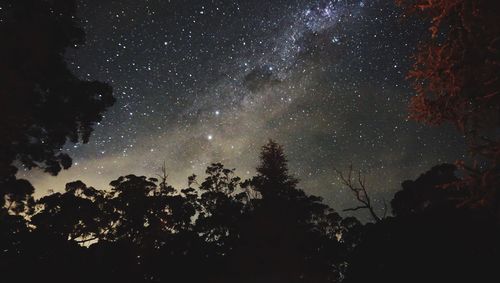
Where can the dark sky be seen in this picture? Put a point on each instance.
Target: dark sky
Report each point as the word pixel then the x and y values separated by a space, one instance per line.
pixel 209 81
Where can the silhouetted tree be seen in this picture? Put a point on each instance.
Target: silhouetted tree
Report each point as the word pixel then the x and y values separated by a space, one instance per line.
pixel 151 231
pixel 133 211
pixel 75 215
pixel 429 240
pixel 18 197
pixel 357 185
pixel 456 76
pixel 272 179
pixel 221 207
pixel 289 236
pixel 437 189
pixel 49 251
pixel 143 230
pixel 42 104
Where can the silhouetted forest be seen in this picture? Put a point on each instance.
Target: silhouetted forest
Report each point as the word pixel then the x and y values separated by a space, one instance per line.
pixel 444 225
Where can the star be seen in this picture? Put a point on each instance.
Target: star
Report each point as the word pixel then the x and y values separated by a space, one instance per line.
pixel 324 78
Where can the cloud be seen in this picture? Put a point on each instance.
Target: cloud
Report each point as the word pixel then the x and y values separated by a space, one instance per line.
pixel 260 78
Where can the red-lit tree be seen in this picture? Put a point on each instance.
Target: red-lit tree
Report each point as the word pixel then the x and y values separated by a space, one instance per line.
pixel 456 77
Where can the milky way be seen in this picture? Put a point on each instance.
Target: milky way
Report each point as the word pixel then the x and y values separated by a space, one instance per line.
pixel 211 81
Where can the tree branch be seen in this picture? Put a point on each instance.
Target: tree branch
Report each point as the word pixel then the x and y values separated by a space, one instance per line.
pixel 358 188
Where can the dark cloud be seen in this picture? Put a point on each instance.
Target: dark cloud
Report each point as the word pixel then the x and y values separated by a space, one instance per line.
pixel 260 78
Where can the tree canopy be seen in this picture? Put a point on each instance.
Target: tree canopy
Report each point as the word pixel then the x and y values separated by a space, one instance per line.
pixel 43 104
pixel 221 228
pixel 455 75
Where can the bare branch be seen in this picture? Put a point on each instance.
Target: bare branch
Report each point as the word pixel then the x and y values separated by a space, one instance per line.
pixel 86 240
pixel 385 208
pixel 355 208
pixel 358 188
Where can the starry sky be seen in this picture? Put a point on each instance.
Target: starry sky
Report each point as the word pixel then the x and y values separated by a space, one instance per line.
pixel 211 81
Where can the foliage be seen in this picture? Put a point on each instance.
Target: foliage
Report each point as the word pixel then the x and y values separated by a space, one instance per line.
pixel 429 239
pixel 42 104
pixel 455 75
pixel 144 230
pixel 264 229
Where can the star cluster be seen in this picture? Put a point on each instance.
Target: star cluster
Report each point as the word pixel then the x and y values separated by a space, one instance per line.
pixel 211 81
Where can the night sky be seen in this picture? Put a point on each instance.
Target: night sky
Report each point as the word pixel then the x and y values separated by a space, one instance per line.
pixel 211 81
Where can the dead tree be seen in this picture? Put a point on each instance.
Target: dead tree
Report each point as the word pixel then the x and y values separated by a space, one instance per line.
pixel 357 185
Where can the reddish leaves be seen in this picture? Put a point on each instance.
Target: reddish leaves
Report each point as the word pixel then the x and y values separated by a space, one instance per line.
pixel 456 78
